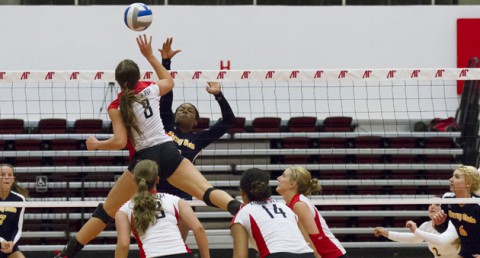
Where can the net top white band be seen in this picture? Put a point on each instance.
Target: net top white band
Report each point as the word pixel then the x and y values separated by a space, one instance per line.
pixel 392 74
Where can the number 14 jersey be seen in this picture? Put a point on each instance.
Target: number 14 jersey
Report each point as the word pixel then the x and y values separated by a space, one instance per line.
pixel 273 228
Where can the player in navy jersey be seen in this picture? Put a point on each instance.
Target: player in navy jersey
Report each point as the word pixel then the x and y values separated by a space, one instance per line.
pixel 464 183
pixel 153 218
pixel 179 125
pixel 271 226
pixel 295 184
pixel 11 218
pixel 136 120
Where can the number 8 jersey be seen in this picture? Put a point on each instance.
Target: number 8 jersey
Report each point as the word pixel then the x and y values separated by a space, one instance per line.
pixel 273 228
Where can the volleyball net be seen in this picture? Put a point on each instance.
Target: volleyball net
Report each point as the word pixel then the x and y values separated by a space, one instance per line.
pixel 354 129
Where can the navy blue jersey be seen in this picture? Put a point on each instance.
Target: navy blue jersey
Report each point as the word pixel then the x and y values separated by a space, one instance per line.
pixel 191 144
pixel 466 219
pixel 11 218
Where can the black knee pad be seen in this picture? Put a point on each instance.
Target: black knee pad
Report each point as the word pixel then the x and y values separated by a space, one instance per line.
pixel 101 214
pixel 206 197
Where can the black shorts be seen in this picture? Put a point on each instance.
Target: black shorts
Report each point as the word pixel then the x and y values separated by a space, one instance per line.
pixel 166 155
pixel 290 255
pixel 4 255
pixel 186 255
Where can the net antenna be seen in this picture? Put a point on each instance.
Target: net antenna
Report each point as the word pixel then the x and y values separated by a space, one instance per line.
pixel 108 91
pixel 467 118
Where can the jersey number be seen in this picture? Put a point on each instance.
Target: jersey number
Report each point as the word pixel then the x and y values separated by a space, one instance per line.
pixel 275 211
pixel 436 251
pixel 148 109
pixel 2 218
pixel 160 212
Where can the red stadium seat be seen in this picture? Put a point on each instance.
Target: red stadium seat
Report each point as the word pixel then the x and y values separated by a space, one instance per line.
pixel 368 142
pixel 266 124
pixel 52 125
pixel 330 143
pixel 33 144
pixel 338 124
pixel 64 144
pixel 238 127
pixel 302 124
pixel 11 126
pixel 403 142
pixel 88 126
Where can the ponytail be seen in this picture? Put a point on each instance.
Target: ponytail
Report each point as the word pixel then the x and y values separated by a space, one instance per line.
pixel 145 203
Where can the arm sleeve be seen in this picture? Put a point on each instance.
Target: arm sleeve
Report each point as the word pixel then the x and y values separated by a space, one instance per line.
pixel 18 234
pixel 443 227
pixel 206 137
pixel 404 237
pixel 445 238
pixel 166 101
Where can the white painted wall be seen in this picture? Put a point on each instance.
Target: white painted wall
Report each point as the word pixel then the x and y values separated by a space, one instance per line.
pixel 252 37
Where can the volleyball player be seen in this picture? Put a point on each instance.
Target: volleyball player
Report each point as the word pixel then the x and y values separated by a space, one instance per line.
pixel 153 217
pixel 271 225
pixel 464 183
pixel 294 185
pixel 136 119
pixel 442 245
pixel 11 218
pixel 179 125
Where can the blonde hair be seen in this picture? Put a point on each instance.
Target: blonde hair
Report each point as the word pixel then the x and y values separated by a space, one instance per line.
pixel 145 203
pixel 472 176
pixel 15 186
pixel 306 185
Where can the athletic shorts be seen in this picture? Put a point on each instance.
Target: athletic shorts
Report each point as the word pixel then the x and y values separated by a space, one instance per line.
pixel 4 255
pixel 166 155
pixel 185 255
pixel 290 255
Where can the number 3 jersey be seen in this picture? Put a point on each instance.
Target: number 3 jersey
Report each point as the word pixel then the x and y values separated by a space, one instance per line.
pixel 273 228
pixel 162 238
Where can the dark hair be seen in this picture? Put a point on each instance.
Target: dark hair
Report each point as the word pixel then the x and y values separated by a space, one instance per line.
pixel 255 184
pixel 197 114
pixel 127 75
pixel 15 186
pixel 145 203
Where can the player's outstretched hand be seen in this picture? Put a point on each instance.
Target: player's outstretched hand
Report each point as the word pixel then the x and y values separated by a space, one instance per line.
pixel 167 51
pixel 91 143
pixel 411 225
pixel 213 88
pixel 145 45
pixel 379 231
pixel 439 217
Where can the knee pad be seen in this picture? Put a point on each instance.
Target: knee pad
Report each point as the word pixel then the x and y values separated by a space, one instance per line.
pixel 101 214
pixel 206 197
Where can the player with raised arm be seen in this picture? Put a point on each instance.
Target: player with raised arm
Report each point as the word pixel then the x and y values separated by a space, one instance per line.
pixel 136 119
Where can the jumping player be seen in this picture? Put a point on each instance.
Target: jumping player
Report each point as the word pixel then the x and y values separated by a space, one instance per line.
pixel 136 119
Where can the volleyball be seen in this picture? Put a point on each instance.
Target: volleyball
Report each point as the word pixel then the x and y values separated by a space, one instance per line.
pixel 138 17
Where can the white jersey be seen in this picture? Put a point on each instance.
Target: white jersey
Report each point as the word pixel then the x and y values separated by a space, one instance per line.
pixel 147 111
pixel 326 243
pixel 441 245
pixel 162 238
pixel 273 228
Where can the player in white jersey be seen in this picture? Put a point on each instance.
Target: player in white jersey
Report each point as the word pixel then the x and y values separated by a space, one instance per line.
pixel 153 218
pixel 445 245
pixel 136 122
pixel 270 226
pixel 294 185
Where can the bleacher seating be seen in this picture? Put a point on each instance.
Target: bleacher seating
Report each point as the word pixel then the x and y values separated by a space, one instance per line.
pixel 350 164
